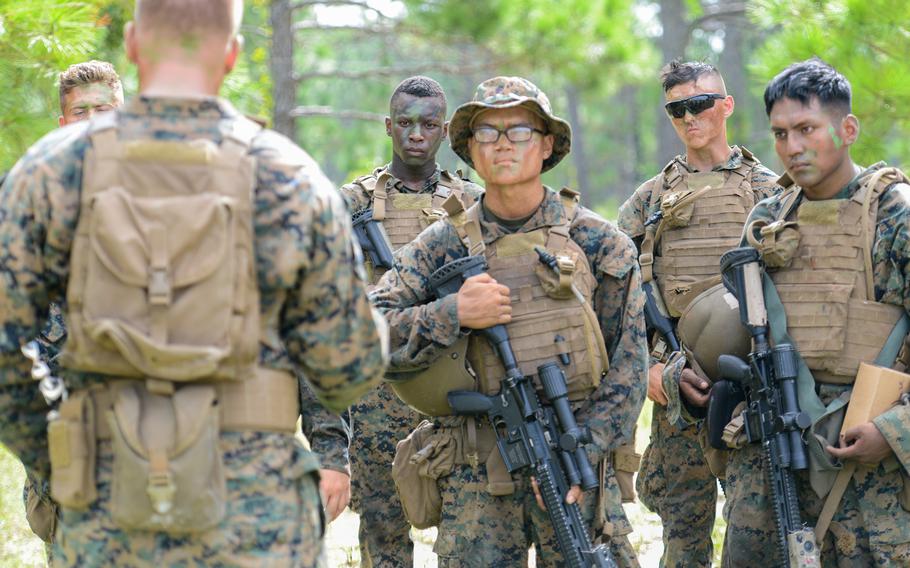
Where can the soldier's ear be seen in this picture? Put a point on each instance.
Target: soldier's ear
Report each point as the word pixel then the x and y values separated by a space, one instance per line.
pixel 388 126
pixel 445 130
pixel 129 41
pixel 548 141
pixel 233 51
pixel 850 128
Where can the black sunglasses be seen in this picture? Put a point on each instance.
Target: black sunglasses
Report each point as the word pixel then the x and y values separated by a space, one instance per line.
pixel 695 105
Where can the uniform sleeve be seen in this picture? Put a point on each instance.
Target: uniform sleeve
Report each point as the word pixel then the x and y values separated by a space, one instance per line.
pixel 613 408
pixel 355 198
pixel 634 212
pixel 34 241
pixel 305 244
pixel 328 434
pixel 764 183
pixel 419 327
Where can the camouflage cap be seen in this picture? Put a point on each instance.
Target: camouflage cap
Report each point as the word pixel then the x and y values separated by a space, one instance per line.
pixel 508 92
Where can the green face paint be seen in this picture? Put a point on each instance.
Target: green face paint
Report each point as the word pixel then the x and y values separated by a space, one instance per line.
pixel 838 142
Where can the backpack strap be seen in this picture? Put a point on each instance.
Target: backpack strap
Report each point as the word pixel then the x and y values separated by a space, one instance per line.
pixel 558 235
pixel 466 224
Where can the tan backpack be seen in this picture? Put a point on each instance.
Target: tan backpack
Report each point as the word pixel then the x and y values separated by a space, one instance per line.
pixel 162 282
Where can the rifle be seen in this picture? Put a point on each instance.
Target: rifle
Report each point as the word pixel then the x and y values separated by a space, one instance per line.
pixel 655 312
pixel 545 438
pixel 772 415
pixel 372 239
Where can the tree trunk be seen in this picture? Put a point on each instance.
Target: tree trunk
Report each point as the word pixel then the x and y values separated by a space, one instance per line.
pixel 579 147
pixel 281 63
pixel 672 43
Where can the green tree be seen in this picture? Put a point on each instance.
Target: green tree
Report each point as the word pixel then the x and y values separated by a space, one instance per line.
pixel 866 40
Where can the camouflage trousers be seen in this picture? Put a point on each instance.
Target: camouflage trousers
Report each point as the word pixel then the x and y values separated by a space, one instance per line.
pixel 871 528
pixel 379 421
pixel 675 482
pixel 273 518
pixel 479 530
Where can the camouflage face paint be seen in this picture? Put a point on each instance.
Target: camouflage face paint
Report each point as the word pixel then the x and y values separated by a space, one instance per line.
pixel 417 128
pixel 838 142
pixel 82 102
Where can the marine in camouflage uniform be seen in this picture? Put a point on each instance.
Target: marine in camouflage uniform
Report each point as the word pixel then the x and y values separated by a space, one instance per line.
pixel 307 270
pixel 809 106
pixel 478 528
pixel 675 479
pixel 85 89
pixel 411 189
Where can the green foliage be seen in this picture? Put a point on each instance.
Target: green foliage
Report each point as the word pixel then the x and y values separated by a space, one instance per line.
pixel 866 40
pixel 38 39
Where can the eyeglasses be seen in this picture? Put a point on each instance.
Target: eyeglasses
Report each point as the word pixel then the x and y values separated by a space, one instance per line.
pixel 695 105
pixel 518 133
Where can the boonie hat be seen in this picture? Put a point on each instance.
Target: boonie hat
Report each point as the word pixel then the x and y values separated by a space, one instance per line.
pixel 508 92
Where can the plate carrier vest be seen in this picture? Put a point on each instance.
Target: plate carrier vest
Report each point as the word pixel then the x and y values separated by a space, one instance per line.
pixel 827 289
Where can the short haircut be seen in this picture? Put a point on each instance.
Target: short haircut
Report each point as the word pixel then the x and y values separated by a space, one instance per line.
pixel 678 72
pixel 810 78
pixel 183 18
pixel 87 73
pixel 419 86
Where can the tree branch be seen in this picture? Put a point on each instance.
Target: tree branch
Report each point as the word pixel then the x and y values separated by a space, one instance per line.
pixel 717 13
pixel 445 68
pixel 325 111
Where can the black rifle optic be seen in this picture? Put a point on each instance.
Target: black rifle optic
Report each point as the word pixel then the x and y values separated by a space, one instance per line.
pixel 545 438
pixel 372 239
pixel 772 416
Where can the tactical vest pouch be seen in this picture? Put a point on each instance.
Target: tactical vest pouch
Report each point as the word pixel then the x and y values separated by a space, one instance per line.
pixel 168 474
pixel 420 459
pixel 558 286
pixel 677 209
pixel 72 447
pixel 778 243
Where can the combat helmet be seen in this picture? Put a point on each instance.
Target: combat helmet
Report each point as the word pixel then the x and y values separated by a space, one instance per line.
pixel 710 326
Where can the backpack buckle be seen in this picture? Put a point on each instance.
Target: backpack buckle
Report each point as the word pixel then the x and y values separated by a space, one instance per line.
pixel 159 287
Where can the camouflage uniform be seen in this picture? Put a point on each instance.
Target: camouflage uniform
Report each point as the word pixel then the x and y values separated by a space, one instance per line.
pixel 307 270
pixel 872 526
pixel 378 422
pixel 674 479
pixel 478 529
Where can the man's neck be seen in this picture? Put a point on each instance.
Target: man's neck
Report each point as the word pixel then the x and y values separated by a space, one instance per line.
pixel 707 158
pixel 178 81
pixel 834 183
pixel 413 177
pixel 514 201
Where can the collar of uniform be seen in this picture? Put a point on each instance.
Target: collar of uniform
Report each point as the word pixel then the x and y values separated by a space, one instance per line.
pixel 851 188
pixel 734 160
pixel 550 213
pixel 429 185
pixel 203 107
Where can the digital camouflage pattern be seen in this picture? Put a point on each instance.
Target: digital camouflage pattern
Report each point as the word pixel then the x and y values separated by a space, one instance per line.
pixel 871 527
pixel 379 421
pixel 479 530
pixel 308 272
pixel 421 328
pixel 507 92
pixel 274 515
pixel 674 479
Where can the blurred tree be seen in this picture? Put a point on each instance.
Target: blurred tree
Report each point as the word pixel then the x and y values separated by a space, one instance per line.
pixel 866 40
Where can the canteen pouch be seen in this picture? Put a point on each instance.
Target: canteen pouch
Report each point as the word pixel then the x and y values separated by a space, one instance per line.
pixel 168 473
pixel 420 459
pixel 72 447
pixel 724 398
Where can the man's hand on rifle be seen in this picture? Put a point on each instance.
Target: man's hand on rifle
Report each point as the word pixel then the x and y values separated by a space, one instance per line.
pixel 575 495
pixel 656 384
pixel 483 303
pixel 694 388
pixel 863 443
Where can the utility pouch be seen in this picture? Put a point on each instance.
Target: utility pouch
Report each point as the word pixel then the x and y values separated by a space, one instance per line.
pixel 168 473
pixel 72 447
pixel 724 398
pixel 420 459
pixel 558 286
pixel 626 462
pixel 677 209
pixel 778 243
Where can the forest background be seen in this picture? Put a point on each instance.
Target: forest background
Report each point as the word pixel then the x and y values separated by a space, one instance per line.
pixel 322 72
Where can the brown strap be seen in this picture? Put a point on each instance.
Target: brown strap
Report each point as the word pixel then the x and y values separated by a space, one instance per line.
pixel 833 501
pixel 380 195
pixel 470 451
